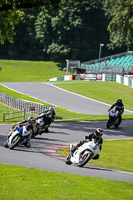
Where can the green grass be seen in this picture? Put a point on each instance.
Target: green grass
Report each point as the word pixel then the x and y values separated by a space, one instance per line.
pixel 29 71
pixel 61 113
pixel 24 184
pixel 107 92
pixel 71 116
pixel 116 154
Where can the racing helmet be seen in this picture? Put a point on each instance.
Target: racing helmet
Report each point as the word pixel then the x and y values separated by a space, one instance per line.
pixel 32 121
pixel 98 133
pixel 40 122
pixel 119 101
pixel 50 108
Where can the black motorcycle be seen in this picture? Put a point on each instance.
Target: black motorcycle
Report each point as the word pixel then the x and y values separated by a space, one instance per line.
pixel 114 119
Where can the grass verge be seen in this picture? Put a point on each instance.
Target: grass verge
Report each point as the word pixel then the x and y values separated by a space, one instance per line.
pixel 62 114
pixel 29 71
pixel 116 154
pixel 107 92
pixel 24 183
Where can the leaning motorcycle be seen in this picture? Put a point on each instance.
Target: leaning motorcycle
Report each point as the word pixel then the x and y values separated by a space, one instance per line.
pixel 39 128
pixel 43 122
pixel 17 137
pixel 114 119
pixel 83 154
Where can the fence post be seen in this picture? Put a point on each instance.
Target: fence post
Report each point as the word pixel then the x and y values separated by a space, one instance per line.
pixel 24 115
pixel 4 116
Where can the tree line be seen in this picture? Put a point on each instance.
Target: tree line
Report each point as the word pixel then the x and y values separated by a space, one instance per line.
pixel 58 30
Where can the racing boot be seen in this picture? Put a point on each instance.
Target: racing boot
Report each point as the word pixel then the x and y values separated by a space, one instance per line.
pixel 27 143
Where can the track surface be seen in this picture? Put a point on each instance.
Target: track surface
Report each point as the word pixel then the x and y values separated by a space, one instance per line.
pixel 42 155
pixel 61 98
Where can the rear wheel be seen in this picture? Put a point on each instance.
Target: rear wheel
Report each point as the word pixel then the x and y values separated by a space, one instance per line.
pixel 84 158
pixel 118 123
pixel 15 141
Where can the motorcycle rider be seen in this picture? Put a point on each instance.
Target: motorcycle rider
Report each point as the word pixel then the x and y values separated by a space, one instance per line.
pixel 29 125
pixel 22 123
pixel 94 135
pixel 48 116
pixel 119 106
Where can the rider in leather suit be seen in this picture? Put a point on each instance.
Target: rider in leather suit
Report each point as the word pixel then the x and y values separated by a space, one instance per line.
pixel 29 125
pixel 94 135
pixel 119 106
pixel 48 116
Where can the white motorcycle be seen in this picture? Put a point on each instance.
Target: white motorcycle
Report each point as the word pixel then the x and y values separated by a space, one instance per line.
pixel 17 138
pixel 114 119
pixel 83 154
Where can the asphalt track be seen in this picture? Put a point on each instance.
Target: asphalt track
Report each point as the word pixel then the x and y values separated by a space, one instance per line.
pixel 61 98
pixel 42 155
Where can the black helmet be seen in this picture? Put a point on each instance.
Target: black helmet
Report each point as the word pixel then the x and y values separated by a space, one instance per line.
pixel 119 101
pixel 98 133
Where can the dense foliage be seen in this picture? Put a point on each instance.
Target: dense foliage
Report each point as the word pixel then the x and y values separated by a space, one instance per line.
pixel 120 13
pixel 73 30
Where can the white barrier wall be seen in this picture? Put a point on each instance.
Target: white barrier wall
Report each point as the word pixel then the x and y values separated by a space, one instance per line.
pixel 103 77
pixel 126 80
pixel 118 78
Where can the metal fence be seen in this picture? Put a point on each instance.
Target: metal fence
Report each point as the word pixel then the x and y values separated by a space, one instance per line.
pixel 21 104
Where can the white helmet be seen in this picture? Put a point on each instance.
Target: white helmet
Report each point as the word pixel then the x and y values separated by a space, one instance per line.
pixel 40 122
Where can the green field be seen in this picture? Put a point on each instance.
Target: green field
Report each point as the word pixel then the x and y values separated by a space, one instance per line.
pixel 113 155
pixel 90 89
pixel 107 92
pixel 19 183
pixel 29 71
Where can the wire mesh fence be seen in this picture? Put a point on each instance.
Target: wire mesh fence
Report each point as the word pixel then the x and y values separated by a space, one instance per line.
pixel 20 104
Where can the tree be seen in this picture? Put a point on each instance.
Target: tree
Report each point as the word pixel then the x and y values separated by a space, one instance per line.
pixel 120 14
pixel 12 10
pixel 75 32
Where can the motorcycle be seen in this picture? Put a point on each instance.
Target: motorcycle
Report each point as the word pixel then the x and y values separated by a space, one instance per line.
pixel 114 119
pixel 83 154
pixel 41 126
pixel 17 138
pixel 43 122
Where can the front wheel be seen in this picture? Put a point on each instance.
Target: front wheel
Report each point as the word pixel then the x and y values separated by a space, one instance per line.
pixel 14 142
pixel 109 123
pixel 67 160
pixel 85 157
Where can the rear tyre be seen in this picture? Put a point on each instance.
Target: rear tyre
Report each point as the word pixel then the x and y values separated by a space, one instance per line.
pixel 119 121
pixel 84 159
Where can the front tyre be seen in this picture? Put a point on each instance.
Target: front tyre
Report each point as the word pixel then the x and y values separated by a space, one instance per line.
pixel 15 141
pixel 85 157
pixel 67 160
pixel 109 123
